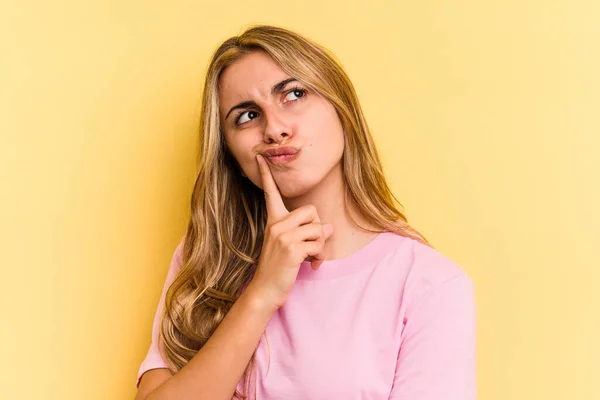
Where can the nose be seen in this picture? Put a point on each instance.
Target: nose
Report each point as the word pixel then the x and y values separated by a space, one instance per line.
pixel 276 128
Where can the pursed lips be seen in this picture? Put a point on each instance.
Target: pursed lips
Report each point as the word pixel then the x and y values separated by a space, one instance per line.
pixel 280 151
pixel 280 156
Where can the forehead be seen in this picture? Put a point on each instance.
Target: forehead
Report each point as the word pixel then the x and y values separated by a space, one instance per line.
pixel 251 76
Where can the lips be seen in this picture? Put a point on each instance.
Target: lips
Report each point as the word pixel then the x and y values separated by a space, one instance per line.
pixel 281 155
pixel 280 151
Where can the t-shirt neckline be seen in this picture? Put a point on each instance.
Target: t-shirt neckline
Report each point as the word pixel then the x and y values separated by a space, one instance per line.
pixel 367 255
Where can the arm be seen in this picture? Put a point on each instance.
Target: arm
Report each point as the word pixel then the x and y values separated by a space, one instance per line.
pixel 213 373
pixel 437 353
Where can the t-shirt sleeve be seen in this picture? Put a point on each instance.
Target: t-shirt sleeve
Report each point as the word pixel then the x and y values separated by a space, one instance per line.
pixel 154 358
pixel 437 352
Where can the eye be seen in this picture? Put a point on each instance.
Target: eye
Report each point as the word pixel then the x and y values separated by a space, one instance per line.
pixel 296 92
pixel 245 116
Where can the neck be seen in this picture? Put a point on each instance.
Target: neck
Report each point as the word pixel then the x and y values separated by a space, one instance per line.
pixel 328 197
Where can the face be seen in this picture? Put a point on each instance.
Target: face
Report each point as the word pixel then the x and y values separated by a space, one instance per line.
pixel 263 108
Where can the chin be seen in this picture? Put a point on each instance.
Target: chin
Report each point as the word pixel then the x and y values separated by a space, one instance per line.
pixel 292 188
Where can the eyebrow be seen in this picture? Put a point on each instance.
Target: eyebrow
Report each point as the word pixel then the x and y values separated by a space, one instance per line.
pixel 277 88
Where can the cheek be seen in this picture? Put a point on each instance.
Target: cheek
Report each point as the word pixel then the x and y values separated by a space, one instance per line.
pixel 326 137
pixel 245 155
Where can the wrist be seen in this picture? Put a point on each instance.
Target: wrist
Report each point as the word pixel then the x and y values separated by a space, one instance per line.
pixel 259 300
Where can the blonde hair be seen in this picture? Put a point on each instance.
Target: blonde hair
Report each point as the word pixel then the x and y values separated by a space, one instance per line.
pixel 228 214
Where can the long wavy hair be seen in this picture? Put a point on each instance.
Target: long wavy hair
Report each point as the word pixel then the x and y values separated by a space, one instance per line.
pixel 228 214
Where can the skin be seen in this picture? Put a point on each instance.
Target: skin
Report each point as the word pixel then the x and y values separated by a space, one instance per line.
pixel 291 118
pixel 281 119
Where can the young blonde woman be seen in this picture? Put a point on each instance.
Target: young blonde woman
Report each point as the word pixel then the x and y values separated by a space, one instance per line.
pixel 298 278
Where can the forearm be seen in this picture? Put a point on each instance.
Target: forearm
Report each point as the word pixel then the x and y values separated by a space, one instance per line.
pixel 214 372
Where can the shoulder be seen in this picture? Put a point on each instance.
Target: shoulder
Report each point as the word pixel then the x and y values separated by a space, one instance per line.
pixel 423 269
pixel 176 261
pixel 420 261
pixel 179 249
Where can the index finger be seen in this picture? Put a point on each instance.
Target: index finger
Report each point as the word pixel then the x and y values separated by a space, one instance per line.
pixel 275 206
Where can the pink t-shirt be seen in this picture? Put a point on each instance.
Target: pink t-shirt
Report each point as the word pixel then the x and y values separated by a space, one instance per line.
pixel 394 320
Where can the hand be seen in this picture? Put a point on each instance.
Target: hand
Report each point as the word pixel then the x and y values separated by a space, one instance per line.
pixel 289 239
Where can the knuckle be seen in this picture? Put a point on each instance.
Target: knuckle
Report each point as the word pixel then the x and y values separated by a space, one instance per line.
pixel 310 209
pixel 317 229
pixel 283 239
pixel 290 248
pixel 286 245
pixel 273 231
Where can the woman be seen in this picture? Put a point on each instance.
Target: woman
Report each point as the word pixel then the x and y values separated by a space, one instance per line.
pixel 298 278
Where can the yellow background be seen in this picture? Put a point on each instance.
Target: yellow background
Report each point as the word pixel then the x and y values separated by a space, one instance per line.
pixel 486 114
